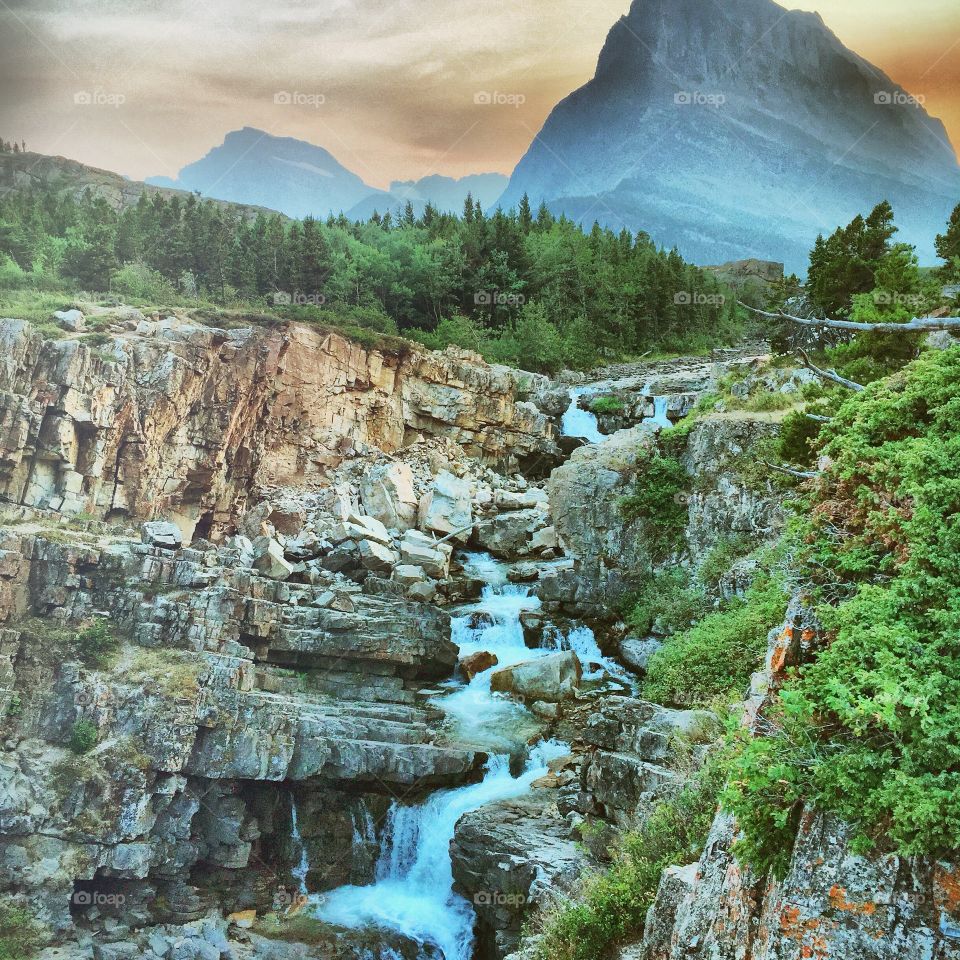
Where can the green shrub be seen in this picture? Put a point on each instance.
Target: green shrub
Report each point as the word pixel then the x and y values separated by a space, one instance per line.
pixel 768 401
pixel 97 643
pixel 603 405
pixel 20 935
pixel 611 907
pixel 870 729
pixel 665 598
pixel 721 557
pixel 658 499
pixel 795 443
pixel 137 281
pixel 717 655
pixel 83 737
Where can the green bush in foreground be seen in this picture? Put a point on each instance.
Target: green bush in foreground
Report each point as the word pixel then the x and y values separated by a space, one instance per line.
pixel 870 729
pixel 719 653
pixel 20 935
pixel 612 906
pixel 665 599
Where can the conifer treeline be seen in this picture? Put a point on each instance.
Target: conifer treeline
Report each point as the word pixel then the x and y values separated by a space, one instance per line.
pixel 599 293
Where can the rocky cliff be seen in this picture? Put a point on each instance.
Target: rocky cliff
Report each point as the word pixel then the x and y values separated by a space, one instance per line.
pixel 281 616
pixel 164 416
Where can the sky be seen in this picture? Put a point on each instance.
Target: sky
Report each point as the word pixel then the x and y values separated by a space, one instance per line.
pixel 394 90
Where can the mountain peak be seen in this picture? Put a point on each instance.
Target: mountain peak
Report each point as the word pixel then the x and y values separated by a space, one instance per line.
pixel 738 132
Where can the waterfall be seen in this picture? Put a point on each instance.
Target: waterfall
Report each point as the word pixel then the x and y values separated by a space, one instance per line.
pixel 491 625
pixel 413 892
pixel 364 831
pixel 302 868
pixel 659 418
pixel 580 423
pixel 582 641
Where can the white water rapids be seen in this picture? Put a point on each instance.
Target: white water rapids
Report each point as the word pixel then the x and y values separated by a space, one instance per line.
pixel 659 418
pixel 413 888
pixel 580 423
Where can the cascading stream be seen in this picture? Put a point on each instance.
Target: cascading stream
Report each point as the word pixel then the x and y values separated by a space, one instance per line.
pixel 412 892
pixel 659 418
pixel 577 422
pixel 302 867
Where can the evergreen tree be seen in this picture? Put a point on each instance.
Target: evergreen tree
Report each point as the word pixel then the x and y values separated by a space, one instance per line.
pixel 948 247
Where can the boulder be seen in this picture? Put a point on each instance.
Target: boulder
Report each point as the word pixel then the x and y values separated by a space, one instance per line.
pixel 476 663
pixel 408 574
pixel 424 592
pixel 552 678
pixel 70 320
pixel 162 533
pixel 287 517
pixel 419 550
pixel 375 556
pixel 545 539
pixel 446 507
pixel 523 573
pixel 358 527
pixel 508 500
pixel 388 495
pixel 269 560
pixel 636 653
pixel 510 534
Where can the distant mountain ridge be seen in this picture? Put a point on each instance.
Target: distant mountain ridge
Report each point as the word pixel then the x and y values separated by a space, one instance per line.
pixel 301 179
pixel 738 132
pixel 286 174
pixel 25 171
pixel 445 193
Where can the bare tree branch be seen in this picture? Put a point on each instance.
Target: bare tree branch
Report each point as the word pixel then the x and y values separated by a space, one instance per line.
pixel 802 474
pixel 830 375
pixel 917 325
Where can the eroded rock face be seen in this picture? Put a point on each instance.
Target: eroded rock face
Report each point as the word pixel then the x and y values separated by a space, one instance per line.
pixel 508 859
pixel 185 420
pixel 831 903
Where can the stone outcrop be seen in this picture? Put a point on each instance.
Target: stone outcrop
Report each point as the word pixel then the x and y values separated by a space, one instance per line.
pixel 183 420
pixel 551 678
pixel 587 492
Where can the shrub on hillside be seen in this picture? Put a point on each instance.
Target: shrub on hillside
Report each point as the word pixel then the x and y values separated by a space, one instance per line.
pixel 870 729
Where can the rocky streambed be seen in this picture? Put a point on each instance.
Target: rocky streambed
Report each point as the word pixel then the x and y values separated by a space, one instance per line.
pixel 308 650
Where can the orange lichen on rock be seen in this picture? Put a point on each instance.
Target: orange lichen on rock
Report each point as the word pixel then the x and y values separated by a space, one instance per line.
pixel 839 901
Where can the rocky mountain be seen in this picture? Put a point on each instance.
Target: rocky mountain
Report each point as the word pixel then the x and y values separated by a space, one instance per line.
pixel 445 193
pixel 290 175
pixel 301 179
pixel 738 131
